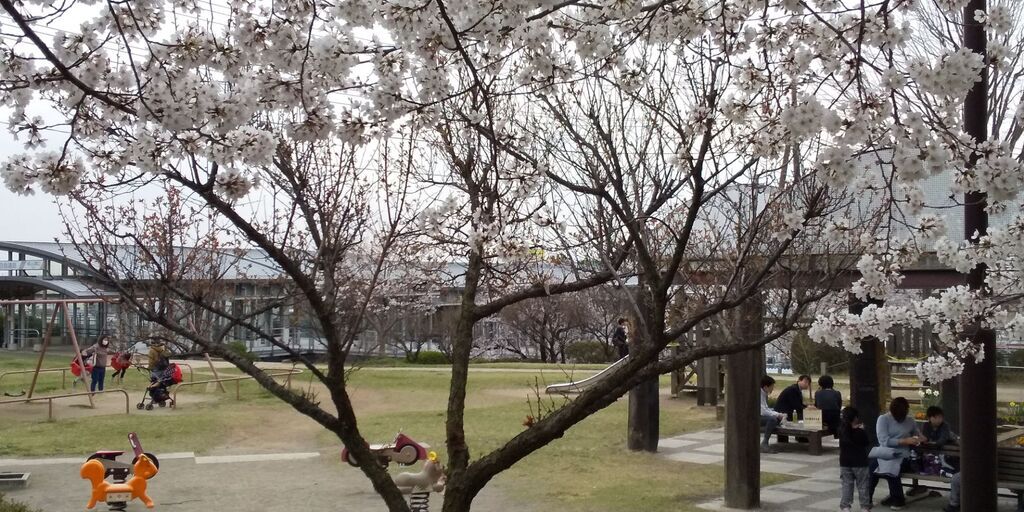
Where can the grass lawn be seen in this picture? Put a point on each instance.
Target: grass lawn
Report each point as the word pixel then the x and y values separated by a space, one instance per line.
pixel 587 470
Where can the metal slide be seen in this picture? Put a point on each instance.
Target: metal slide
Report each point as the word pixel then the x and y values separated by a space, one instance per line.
pixel 578 386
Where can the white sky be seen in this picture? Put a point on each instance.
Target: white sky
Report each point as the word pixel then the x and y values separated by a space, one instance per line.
pixel 25 218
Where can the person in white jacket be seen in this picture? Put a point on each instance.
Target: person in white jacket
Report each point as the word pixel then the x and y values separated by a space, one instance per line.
pixel 769 418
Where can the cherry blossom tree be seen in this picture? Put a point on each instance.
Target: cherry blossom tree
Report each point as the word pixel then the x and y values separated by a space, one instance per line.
pixel 743 153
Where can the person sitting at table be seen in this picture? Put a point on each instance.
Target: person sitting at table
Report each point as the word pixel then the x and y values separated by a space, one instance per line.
pixel 936 431
pixel 897 434
pixel 791 402
pixel 769 418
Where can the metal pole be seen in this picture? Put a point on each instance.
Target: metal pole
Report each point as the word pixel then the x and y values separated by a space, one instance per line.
pixel 977 415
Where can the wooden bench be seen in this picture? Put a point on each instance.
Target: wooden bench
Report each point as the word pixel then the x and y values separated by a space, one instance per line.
pixel 813 435
pixel 1009 472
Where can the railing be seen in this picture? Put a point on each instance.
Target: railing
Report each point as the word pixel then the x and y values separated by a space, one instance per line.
pixel 236 380
pixel 19 333
pixel 51 398
pixel 63 375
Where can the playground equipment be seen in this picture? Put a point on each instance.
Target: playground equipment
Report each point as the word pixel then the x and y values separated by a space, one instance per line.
pixel 104 464
pixel 419 485
pixel 402 450
pixel 119 494
pixel 580 385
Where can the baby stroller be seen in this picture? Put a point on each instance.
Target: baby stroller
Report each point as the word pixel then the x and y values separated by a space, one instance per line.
pixel 163 376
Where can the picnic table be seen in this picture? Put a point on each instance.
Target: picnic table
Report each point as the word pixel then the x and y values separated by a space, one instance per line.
pixel 812 432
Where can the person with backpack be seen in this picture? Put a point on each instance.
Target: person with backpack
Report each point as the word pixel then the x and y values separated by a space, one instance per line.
pixel 158 355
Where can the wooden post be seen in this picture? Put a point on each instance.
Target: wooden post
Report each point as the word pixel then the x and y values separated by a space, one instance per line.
pixel 865 392
pixel 978 381
pixel 742 421
pixel 78 351
pixel 676 378
pixel 949 390
pixel 214 370
pixel 42 353
pixel 707 381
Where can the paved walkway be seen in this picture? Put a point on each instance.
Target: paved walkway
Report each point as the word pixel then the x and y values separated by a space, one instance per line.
pixel 816 489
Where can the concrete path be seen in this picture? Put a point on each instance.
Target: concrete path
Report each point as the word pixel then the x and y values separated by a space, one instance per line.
pixel 815 490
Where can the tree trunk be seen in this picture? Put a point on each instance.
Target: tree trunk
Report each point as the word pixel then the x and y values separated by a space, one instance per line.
pixel 644 406
pixel 742 432
pixel 742 424
pixel 644 411
pixel 462 345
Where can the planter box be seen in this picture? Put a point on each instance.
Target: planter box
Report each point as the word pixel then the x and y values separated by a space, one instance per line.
pixel 10 481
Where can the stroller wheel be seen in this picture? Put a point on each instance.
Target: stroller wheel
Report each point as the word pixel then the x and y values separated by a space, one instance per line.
pixel 156 462
pixel 140 405
pixel 163 404
pixel 149 407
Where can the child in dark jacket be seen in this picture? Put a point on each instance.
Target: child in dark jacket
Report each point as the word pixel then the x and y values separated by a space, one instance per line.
pixel 938 434
pixel 854 446
pixel 830 403
pixel 936 430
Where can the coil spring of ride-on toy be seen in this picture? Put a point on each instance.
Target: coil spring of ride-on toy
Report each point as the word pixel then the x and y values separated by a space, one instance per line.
pixel 419 501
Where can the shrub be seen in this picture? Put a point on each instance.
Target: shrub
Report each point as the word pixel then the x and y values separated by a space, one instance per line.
pixel 587 352
pixel 430 357
pixel 806 356
pixel 1015 358
pixel 240 348
pixel 14 506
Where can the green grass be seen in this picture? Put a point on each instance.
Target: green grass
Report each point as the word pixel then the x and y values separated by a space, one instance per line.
pixel 7 505
pixel 81 436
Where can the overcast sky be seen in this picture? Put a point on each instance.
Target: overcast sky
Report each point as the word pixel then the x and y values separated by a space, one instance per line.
pixel 25 218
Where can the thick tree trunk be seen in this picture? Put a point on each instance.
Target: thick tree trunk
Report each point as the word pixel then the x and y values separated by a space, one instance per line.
pixel 742 426
pixel 742 423
pixel 644 405
pixel 644 411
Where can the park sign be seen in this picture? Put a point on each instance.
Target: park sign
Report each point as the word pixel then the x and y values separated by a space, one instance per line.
pixel 12 266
